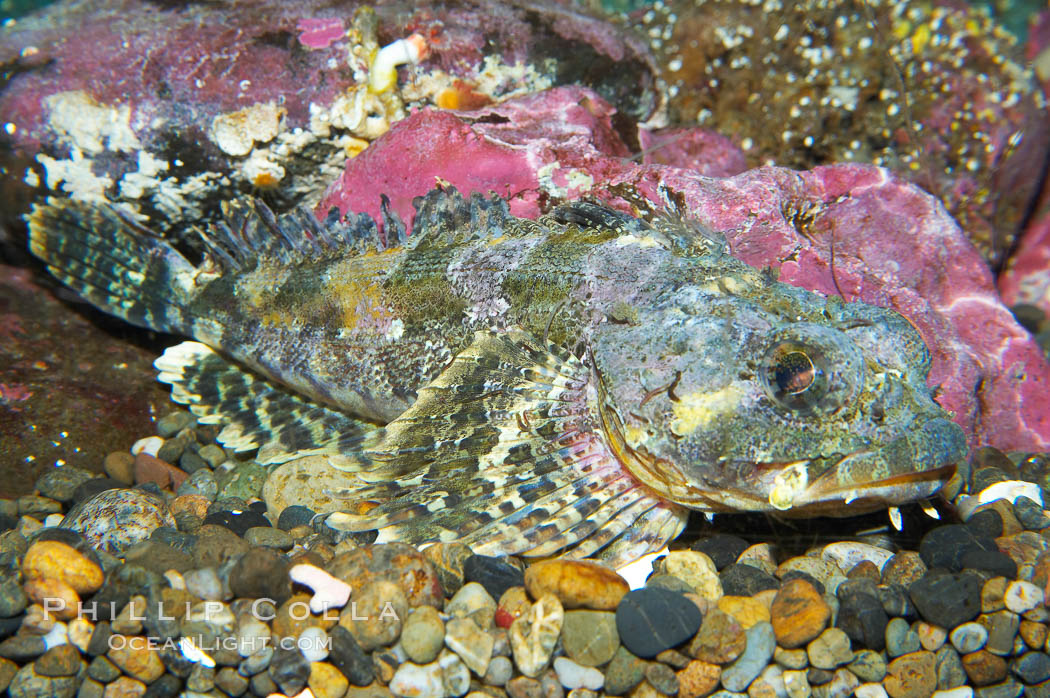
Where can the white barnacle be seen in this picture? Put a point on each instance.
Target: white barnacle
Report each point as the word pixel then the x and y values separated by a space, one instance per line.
pixel 788 484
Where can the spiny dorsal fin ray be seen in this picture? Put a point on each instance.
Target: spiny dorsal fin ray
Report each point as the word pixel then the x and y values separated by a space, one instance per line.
pixel 500 450
pixel 256 413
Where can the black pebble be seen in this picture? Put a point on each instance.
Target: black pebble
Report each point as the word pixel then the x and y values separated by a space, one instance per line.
pixel 1031 667
pixel 945 546
pixel 722 548
pixel 261 573
pixel 238 522
pixel 896 602
pixel 167 686
pixel 89 488
pixel 295 515
pixel 650 621
pixel 259 507
pixel 946 600
pixel 1030 514
pixel 493 573
pixel 175 539
pixel 348 657
pixel 987 522
pixel 997 563
pixel 8 626
pixel 863 618
pixel 746 580
pixel 7 522
pixel 289 669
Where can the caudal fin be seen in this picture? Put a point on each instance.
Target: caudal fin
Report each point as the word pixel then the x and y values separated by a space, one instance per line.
pixel 117 265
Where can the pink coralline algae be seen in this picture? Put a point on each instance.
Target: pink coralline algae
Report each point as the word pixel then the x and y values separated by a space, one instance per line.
pixel 320 33
pixel 852 229
pixel 1027 277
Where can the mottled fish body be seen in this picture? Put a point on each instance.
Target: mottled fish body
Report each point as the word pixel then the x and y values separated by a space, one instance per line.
pixel 571 384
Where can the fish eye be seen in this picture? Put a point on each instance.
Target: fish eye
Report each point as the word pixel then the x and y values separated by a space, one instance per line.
pixel 811 370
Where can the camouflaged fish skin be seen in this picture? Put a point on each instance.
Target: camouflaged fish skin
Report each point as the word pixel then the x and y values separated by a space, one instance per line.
pixel 525 386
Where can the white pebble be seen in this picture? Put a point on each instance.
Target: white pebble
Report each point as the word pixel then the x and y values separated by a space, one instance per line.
pixel 969 637
pixel 870 690
pixel 56 636
pixel 847 554
pixel 329 592
pixel 960 692
pixel 176 580
pixel 1008 489
pixel 573 676
pixel 414 681
pixel 204 583
pixel 1023 596
pixel 313 643
pixel 52 520
pixel 149 445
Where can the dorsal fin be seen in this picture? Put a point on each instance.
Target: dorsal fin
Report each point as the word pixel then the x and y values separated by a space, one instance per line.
pixel 445 217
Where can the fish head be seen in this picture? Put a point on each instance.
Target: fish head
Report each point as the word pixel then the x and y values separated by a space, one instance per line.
pixel 739 393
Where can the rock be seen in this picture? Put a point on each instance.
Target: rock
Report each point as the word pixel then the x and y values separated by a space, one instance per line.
pixel 448 560
pixel 326 681
pixel 760 555
pixel 1034 634
pixel 454 674
pixel 244 481
pixel 831 649
pixel 911 676
pixel 950 672
pixel 60 483
pixel 847 554
pixel 576 583
pixel 623 673
pixel 695 569
pixel 135 658
pixel 54 560
pixel 200 483
pixel 791 659
pixel 993 562
pixel 472 601
pixel 12 597
pixel 698 679
pixel 798 614
pixel 650 621
pixel 473 645
pixel 347 656
pixel 63 660
pixel 868 665
pixel 590 638
pixel 747 610
pixel 796 684
pixel 393 562
pixel 1002 629
pixel 984 668
pixel 413 681
pixel 493 573
pixel 1022 596
pixel 423 635
pixel 946 600
pixel 968 637
pixel 993 595
pixel 261 573
pixel 1030 667
pixel 746 580
pixel 573 676
pixel 761 642
pixel 232 683
pixel 819 569
pixel 120 465
pixel 499 672
pixel 904 568
pixel 900 638
pixel 295 515
pixel 931 637
pixel 149 468
pixel 375 613
pixel 720 640
pixel 524 687
pixel 945 546
pixel 114 520
pixel 533 637
pixel 289 669
pixel 723 549
pixel 238 521
pixel 313 643
pixel 268 537
pixel 662 678
pixel 863 618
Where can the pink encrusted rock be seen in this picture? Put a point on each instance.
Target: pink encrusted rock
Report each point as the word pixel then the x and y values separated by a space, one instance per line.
pixel 891 243
pixel 1027 275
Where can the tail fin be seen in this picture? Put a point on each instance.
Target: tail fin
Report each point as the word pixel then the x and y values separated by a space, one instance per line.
pixel 114 263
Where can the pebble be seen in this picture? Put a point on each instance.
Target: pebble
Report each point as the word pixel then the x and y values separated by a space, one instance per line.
pixel 830 649
pixel 423 634
pixel 722 548
pixel 415 681
pixel 624 672
pixel 900 638
pixel 697 679
pixel 863 617
pixel 573 676
pixel 115 520
pixel 931 637
pixel 944 546
pixel 577 583
pixel 868 665
pixel 947 600
pixel 347 656
pixel 135 658
pixel 968 637
pixel 63 660
pixel 1030 667
pixel 590 638
pixel 54 560
pixel 695 569
pixel 269 537
pixel 151 469
pixel 1022 596
pixel 200 483
pixel 984 668
pixel 472 601
pixel 720 640
pixel 904 568
pixel 650 621
pixel 472 644
pixel 761 641
pixel 289 669
pixel 911 676
pixel 493 573
pixel 1002 627
pixel 244 480
pixel 746 580
pixel 847 554
pixel 295 515
pixel 374 617
pixel 313 643
pixel 533 636
pixel 500 671
pixel 798 614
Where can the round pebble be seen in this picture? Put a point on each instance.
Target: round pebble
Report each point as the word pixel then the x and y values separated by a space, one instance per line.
pixel 968 637
pixel 115 520
pixel 650 621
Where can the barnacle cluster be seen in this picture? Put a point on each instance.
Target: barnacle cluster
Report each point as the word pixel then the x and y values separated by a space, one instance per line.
pixel 934 92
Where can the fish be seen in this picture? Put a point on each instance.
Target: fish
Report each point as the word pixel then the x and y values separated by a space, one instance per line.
pixel 572 385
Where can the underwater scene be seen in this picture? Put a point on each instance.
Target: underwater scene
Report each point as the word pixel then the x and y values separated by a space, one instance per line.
pixel 524 349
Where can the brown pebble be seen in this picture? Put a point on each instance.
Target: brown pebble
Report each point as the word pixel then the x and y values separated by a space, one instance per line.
pixel 903 568
pixel 152 469
pixel 120 465
pixel 912 675
pixel 51 559
pixel 984 668
pixel 62 660
pixel 577 583
pixel 135 658
pixel 865 569
pixel 748 610
pixel 698 679
pixel 125 687
pixel 196 504
pixel 524 687
pixel 62 599
pixel 799 613
pixel 1033 634
pixel 993 594
pixel 720 640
